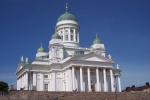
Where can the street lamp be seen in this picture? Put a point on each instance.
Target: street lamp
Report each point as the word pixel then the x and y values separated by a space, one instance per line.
pixel 117 73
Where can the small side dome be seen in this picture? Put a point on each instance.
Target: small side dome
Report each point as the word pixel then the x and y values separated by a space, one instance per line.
pixel 97 44
pixel 97 40
pixel 67 16
pixel 56 36
pixel 41 49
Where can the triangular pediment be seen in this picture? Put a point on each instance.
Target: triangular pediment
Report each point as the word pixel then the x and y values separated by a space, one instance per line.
pixel 95 59
pixel 92 57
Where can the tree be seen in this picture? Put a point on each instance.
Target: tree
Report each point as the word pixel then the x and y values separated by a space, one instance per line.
pixel 133 86
pixel 147 84
pixel 3 87
pixel 127 89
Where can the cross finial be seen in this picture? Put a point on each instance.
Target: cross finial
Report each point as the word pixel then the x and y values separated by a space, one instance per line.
pixel 41 45
pixel 66 10
pixel 96 35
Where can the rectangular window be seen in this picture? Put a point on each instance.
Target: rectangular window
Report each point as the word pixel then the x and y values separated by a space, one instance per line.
pixel 82 52
pixel 45 76
pixel 45 87
pixel 79 52
pixel 66 31
pixel 66 37
pixel 71 31
pixel 71 37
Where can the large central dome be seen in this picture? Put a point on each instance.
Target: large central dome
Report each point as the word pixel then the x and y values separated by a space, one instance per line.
pixel 67 16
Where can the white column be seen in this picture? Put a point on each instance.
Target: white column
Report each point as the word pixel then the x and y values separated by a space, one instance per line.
pixel 81 79
pixel 74 35
pixel 34 80
pixel 112 80
pixel 63 34
pixel 27 82
pixel 104 76
pixel 89 79
pixel 97 79
pixel 119 84
pixel 73 78
pixel 78 37
pixel 69 35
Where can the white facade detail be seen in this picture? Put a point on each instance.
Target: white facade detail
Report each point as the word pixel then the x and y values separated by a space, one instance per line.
pixel 68 67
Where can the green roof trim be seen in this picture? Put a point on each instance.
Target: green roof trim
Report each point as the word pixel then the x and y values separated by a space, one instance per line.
pixel 67 16
pixel 97 40
pixel 56 36
pixel 41 49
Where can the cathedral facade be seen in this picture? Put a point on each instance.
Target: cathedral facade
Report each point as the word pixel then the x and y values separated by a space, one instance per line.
pixel 67 66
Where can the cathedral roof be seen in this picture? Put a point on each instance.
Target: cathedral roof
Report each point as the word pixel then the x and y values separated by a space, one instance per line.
pixel 67 16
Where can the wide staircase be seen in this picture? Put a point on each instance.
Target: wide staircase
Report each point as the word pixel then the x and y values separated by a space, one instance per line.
pixel 34 95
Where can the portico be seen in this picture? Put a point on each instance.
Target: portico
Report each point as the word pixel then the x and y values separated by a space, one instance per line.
pixel 100 82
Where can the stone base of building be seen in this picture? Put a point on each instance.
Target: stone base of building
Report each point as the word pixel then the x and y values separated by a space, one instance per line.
pixel 34 95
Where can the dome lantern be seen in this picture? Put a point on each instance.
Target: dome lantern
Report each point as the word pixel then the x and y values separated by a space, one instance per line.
pixel 66 15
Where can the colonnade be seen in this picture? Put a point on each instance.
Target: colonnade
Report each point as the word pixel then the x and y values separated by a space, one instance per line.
pixel 97 75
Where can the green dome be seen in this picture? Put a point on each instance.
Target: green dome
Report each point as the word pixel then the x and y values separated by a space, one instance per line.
pixel 41 49
pixel 56 36
pixel 67 16
pixel 97 40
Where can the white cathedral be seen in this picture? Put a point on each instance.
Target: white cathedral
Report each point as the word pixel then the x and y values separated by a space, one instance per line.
pixel 67 66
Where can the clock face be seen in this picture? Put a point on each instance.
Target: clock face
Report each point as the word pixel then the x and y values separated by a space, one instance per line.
pixel 56 53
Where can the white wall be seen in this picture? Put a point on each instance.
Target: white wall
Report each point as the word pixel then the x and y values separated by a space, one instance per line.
pixel 40 81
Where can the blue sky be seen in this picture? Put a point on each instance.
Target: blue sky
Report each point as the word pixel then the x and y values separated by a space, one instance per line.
pixel 123 26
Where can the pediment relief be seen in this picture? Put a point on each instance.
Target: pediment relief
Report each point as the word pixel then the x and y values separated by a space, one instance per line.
pixel 92 57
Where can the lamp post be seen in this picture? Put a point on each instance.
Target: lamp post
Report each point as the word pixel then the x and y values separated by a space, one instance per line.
pixel 116 75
